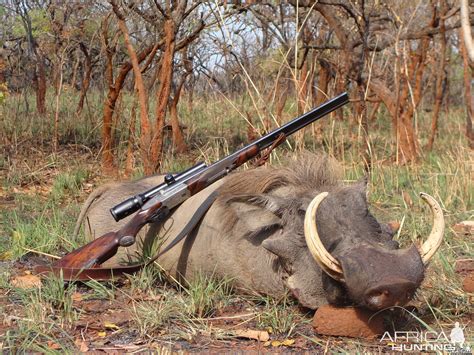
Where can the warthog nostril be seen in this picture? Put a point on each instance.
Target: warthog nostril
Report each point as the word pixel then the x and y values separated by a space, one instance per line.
pixel 378 299
pixel 389 294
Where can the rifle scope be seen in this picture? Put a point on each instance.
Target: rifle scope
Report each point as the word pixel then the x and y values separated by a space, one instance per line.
pixel 133 204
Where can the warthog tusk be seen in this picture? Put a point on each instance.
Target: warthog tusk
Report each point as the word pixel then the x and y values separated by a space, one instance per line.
pixel 325 260
pixel 432 244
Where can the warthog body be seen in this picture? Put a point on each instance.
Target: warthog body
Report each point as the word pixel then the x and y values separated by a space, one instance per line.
pixel 254 235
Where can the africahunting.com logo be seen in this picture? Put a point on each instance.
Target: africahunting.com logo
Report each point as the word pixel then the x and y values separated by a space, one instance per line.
pixel 429 341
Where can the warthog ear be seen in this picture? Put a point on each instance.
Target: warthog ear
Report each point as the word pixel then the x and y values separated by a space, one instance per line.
pixel 280 246
pixel 275 205
pixel 363 186
pixel 258 216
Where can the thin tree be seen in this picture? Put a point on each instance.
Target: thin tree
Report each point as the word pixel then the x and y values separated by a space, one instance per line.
pixel 468 99
pixel 115 86
pixel 440 74
pixel 141 92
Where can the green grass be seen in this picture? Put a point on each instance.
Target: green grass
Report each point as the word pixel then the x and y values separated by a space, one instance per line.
pixel 39 227
pixel 278 316
pixel 158 312
pixel 47 310
pixel 68 183
pixel 206 294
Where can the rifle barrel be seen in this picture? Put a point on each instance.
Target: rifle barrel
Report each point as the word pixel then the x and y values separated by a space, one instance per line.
pixel 303 120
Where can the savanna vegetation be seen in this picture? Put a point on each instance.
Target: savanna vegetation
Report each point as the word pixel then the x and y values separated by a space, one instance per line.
pixel 93 91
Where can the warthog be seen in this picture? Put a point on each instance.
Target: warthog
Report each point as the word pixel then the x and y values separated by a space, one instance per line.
pixel 274 230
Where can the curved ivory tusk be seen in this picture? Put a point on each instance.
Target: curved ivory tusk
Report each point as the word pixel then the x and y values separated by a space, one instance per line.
pixel 432 244
pixel 325 260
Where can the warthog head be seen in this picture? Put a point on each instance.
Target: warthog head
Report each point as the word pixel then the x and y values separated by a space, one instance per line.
pixel 362 261
pixel 323 223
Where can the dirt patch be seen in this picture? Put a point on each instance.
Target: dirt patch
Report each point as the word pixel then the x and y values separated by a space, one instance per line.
pixel 468 283
pixel 348 322
pixel 465 268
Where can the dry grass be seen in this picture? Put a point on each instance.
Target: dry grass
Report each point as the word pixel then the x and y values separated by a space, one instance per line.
pixel 41 194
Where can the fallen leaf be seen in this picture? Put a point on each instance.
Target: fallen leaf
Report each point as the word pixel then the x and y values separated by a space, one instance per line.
pixel 464 227
pixel 81 345
pixel 26 281
pixel 286 342
pixel 101 334
pixel 7 255
pixel 76 297
pixel 259 335
pixel 267 343
pixel 8 320
pixel 53 345
pixel 111 326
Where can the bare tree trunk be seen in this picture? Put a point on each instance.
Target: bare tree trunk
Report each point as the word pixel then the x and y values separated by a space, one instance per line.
pixel 373 112
pixel 312 75
pixel 440 76
pixel 188 66
pixel 281 94
pixel 109 107
pixel 407 139
pixel 466 30
pixel 361 110
pixel 468 96
pixel 74 71
pixel 302 88
pixel 320 95
pixel 163 93
pixel 115 88
pixel 178 138
pixel 86 78
pixel 131 140
pixel 41 84
pixel 145 138
pixel 58 96
pixel 323 83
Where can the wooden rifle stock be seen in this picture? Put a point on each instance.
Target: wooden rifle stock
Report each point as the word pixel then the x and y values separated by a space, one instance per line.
pixel 105 247
pixel 92 254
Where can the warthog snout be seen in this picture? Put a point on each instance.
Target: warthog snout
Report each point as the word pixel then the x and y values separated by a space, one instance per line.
pixel 395 292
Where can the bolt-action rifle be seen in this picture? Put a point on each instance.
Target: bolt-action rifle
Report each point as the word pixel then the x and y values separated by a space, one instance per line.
pixel 155 204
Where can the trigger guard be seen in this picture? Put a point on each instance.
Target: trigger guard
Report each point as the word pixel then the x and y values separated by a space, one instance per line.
pixel 160 215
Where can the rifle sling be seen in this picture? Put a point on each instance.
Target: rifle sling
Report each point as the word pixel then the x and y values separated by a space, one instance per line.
pixel 98 273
